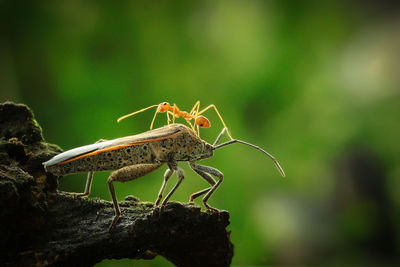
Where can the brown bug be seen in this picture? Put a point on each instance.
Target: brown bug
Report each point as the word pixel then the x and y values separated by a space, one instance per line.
pixel 135 156
pixel 195 113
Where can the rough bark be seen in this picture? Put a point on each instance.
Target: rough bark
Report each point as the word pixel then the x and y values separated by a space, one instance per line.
pixel 42 226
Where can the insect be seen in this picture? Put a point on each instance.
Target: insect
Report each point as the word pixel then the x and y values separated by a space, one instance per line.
pixel 195 114
pixel 134 156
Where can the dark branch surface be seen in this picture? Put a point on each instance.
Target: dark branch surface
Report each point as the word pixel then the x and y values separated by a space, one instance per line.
pixel 42 226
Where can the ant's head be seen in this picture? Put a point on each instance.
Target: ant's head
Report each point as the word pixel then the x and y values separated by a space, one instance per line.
pixel 202 121
pixel 163 107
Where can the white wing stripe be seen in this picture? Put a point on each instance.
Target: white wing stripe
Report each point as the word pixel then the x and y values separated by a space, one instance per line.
pixel 78 151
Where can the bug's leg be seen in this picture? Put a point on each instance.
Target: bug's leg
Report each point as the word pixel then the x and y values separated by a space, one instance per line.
pixel 88 180
pixel 206 177
pixel 125 174
pixel 180 174
pixel 219 137
pixel 211 171
pixel 219 115
pixel 167 175
pixel 197 194
pixel 115 202
pixel 87 187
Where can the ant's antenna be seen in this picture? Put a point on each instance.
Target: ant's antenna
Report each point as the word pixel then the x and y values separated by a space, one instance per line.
pixel 253 146
pixel 136 112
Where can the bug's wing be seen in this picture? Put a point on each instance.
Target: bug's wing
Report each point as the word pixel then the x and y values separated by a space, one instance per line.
pixel 152 135
pixel 149 136
pixel 69 154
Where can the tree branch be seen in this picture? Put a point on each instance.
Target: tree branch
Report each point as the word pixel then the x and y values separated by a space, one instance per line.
pixel 42 226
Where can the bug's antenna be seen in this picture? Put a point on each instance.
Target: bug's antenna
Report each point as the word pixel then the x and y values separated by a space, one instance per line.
pixel 136 112
pixel 253 146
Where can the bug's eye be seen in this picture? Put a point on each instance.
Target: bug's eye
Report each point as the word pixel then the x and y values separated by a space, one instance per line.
pixel 164 104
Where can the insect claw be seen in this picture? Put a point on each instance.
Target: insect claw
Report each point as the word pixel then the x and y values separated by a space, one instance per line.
pixel 161 208
pixel 210 209
pixel 113 223
pixel 192 203
pixel 78 195
pixel 157 211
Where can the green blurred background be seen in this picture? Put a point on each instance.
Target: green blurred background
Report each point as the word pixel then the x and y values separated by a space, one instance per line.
pixel 316 84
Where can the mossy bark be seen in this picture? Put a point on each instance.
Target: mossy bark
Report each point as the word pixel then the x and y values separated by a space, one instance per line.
pixel 42 226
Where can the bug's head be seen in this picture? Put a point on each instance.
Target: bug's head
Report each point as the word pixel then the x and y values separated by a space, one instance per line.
pixel 163 107
pixel 207 151
pixel 202 121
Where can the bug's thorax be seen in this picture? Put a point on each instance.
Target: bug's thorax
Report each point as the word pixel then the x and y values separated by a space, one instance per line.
pixel 183 147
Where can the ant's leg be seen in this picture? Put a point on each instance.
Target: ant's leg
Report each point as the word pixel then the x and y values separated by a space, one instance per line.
pixel 219 115
pixel 181 176
pixel 175 108
pixel 154 118
pixel 211 171
pixel 195 107
pixel 194 129
pixel 206 177
pixel 171 113
pixel 168 120
pixel 176 116
pixel 167 175
pixel 188 122
pixel 123 175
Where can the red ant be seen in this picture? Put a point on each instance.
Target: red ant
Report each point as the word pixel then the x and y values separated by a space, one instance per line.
pixel 199 120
